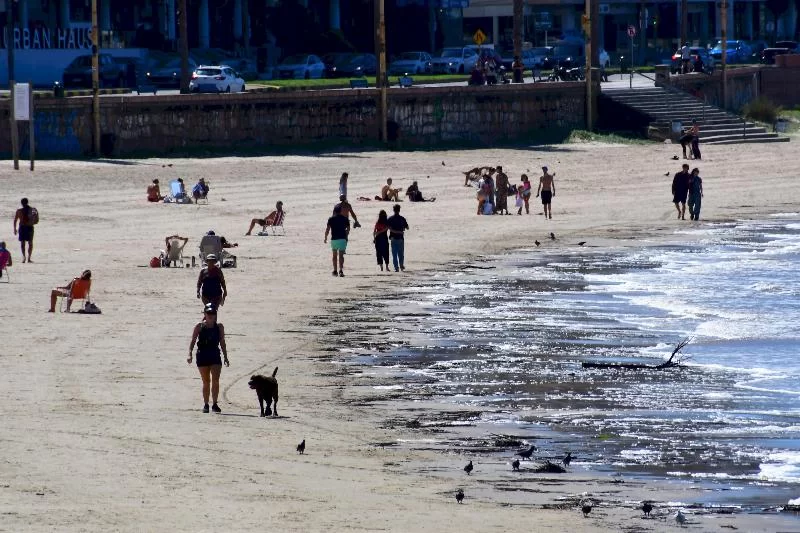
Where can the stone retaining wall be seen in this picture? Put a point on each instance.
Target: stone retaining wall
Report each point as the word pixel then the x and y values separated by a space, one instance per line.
pixel 419 117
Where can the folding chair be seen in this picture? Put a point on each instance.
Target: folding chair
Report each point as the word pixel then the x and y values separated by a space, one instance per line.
pixel 176 195
pixel 175 253
pixel 79 290
pixel 277 226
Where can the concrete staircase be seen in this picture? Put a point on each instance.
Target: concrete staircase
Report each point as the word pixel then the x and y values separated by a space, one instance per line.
pixel 662 106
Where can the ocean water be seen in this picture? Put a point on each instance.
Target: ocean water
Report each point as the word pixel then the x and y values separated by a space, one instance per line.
pixel 509 336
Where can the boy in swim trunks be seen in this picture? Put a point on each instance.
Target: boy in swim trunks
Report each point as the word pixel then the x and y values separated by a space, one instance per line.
pixel 338 228
pixel 547 189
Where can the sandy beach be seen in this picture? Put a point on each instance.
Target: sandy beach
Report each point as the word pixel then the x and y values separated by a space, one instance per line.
pixel 102 422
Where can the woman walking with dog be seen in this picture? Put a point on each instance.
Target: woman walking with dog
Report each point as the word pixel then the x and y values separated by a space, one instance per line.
pixel 209 335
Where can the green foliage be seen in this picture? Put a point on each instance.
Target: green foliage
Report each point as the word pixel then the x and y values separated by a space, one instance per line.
pixel 583 136
pixel 762 110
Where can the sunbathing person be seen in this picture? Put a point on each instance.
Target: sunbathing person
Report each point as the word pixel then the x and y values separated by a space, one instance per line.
pixel 388 194
pixel 415 195
pixel 200 190
pixel 174 249
pixel 273 219
pixel 154 192
pixel 80 285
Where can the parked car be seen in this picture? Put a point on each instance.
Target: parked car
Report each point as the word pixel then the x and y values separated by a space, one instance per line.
pixel 694 51
pixel 542 57
pixel 756 47
pixel 359 65
pixel 79 72
pixel 780 48
pixel 792 46
pixel 454 61
pixel 301 66
pixel 216 79
pixel 736 52
pixel 168 75
pixel 334 62
pixel 411 63
pixel 568 54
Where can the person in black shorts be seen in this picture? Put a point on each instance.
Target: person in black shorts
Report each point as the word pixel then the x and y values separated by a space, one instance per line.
pixel 211 286
pixel 24 217
pixel 210 338
pixel 547 189
pixel 680 189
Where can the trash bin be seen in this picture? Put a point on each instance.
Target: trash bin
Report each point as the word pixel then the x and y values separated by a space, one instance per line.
pixel 58 90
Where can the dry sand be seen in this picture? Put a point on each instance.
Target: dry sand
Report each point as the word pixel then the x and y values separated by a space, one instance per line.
pixel 102 429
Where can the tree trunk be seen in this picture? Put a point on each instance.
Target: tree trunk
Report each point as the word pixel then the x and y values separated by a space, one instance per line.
pixel 518 15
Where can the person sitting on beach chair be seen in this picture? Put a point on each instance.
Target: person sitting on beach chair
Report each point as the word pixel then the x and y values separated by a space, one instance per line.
pixel 388 194
pixel 77 289
pixel 200 191
pixel 177 190
pixel 174 250
pixel 214 244
pixel 274 219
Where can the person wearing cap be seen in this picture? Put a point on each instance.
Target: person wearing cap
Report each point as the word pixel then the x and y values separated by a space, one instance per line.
pixel 154 192
pixel 211 288
pixel 547 189
pixel 209 335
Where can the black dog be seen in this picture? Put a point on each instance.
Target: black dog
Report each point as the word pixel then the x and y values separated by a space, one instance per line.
pixel 267 389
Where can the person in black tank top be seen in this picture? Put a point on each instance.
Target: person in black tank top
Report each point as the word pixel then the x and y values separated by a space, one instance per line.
pixel 211 286
pixel 209 335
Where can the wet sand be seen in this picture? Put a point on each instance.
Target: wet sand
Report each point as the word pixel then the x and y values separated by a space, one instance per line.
pixel 102 422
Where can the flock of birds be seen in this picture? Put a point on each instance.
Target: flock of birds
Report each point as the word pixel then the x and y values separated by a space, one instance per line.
pixel 586 505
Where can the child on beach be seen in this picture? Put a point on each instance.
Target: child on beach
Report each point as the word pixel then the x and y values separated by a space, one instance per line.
pixel 524 191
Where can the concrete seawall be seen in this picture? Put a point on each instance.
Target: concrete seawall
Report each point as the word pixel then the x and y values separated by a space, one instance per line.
pixel 418 118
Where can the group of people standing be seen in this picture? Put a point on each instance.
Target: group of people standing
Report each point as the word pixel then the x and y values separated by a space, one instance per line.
pixel 494 189
pixel 689 184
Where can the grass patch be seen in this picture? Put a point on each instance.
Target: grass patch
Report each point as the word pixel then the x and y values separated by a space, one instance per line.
pixel 328 83
pixel 762 110
pixel 583 136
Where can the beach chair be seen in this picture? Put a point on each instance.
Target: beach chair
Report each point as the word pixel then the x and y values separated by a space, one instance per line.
pixel 277 226
pixel 175 253
pixel 212 244
pixel 79 290
pixel 176 196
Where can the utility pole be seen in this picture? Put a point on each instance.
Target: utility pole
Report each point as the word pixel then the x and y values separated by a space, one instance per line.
pixel 723 7
pixel 10 45
pixel 95 80
pixel 684 23
pixel 587 28
pixel 183 45
pixel 381 80
pixel 246 27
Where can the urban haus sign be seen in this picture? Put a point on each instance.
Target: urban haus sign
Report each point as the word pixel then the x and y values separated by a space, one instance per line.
pixel 45 39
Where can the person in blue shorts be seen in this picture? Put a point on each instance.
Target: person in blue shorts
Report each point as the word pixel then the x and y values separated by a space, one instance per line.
pixel 338 228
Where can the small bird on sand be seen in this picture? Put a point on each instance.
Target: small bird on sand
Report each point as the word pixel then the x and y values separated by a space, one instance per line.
pixel 567 459
pixel 460 496
pixel 537 243
pixel 443 164
pixel 674 157
pixel 586 508
pixel 301 448
pixel 526 454
pixel 515 465
pixel 667 174
pixel 581 243
pixel 647 507
pixel 680 519
pixel 468 468
pixel 552 236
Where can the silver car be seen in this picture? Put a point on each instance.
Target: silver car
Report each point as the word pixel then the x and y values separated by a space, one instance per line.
pixel 454 61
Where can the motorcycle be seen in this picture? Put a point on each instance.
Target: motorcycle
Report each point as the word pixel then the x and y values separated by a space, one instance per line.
pixel 562 73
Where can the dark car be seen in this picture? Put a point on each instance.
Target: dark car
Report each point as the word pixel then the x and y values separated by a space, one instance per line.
pixel 780 48
pixel 694 53
pixel 360 65
pixel 334 62
pixel 568 54
pixel 168 74
pixel 79 72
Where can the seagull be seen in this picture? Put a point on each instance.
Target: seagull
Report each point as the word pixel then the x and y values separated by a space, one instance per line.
pixel 460 496
pixel 680 518
pixel 468 468
pixel 537 243
pixel 552 236
pixel 646 508
pixel 567 459
pixel 301 448
pixel 515 465
pixel 581 243
pixel 586 507
pixel 526 454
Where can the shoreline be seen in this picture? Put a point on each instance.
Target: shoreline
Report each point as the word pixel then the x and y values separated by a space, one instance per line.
pixel 110 400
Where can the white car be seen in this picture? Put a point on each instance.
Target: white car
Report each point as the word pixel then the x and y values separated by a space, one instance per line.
pixel 411 63
pixel 454 61
pixel 215 79
pixel 300 66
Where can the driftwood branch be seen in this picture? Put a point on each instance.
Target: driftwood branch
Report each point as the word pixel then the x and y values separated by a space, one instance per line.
pixel 669 363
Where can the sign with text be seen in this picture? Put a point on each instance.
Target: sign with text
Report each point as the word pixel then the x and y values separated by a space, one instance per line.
pixel 45 39
pixel 479 37
pixel 22 101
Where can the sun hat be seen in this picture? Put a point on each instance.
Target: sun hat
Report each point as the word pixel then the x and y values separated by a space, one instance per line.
pixel 211 257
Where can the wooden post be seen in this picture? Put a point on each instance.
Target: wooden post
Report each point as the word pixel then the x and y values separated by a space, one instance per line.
pixel 95 80
pixel 587 27
pixel 10 45
pixel 723 7
pixel 183 45
pixel 31 136
pixel 381 79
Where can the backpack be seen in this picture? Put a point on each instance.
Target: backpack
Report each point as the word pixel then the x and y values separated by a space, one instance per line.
pixel 33 218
